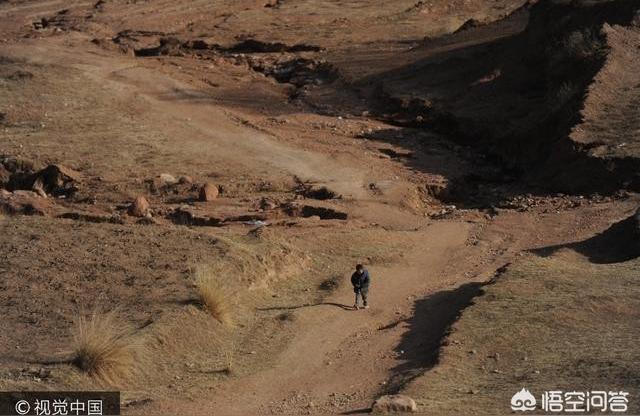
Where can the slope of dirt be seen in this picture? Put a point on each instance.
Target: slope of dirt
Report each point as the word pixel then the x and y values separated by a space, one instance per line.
pixel 532 89
pixel 557 322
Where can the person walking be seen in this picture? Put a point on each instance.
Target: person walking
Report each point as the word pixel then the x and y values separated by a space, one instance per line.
pixel 360 280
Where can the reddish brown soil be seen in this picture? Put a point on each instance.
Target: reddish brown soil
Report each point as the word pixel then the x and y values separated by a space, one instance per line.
pixel 279 108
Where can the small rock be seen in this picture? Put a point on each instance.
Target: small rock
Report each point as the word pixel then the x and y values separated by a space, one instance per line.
pixel 185 180
pixel 267 204
pixel 394 403
pixel 139 207
pixel 167 179
pixel 147 220
pixel 208 192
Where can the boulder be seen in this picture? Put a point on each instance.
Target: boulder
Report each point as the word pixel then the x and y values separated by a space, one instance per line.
pixel 394 403
pixel 56 180
pixel 208 192
pixel 140 207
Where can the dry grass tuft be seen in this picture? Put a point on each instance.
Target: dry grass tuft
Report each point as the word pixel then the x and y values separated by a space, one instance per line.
pixel 106 349
pixel 213 295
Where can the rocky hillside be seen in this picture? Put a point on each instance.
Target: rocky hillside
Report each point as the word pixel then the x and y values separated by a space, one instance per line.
pixel 536 90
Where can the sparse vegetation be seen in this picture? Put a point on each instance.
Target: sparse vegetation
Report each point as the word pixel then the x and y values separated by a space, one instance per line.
pixel 213 295
pixel 106 348
pixel 558 322
pixel 330 284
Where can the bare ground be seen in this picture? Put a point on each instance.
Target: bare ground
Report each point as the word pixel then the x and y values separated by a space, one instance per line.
pixel 78 91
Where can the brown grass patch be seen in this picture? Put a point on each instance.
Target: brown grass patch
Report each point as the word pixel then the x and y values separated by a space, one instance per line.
pixel 213 295
pixel 106 349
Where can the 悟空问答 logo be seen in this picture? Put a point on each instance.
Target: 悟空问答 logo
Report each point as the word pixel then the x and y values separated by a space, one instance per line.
pixel 523 401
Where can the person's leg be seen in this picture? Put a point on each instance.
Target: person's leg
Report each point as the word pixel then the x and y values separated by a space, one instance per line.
pixel 364 294
pixel 355 305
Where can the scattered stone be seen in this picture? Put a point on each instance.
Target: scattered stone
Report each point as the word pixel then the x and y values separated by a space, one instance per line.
pixel 167 179
pixel 394 403
pixel 185 216
pixel 185 180
pixel 438 188
pixel 140 207
pixel 15 165
pixel 148 220
pixel 208 192
pixel 267 204
pixel 57 180
pixel 319 192
pixel 5 175
pixel 44 373
pixel 307 211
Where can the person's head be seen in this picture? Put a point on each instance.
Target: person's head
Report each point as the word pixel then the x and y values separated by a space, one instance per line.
pixel 359 268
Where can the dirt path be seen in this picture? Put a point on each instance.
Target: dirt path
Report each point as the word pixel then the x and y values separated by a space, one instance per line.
pixel 204 130
pixel 339 352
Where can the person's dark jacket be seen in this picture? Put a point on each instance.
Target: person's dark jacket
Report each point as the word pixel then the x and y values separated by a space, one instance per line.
pixel 360 282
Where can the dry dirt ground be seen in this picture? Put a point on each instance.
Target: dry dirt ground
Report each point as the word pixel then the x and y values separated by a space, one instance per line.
pixel 277 103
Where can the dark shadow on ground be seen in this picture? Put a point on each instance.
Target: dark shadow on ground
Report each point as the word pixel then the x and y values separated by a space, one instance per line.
pixel 430 324
pixel 308 305
pixel 618 243
pixel 366 410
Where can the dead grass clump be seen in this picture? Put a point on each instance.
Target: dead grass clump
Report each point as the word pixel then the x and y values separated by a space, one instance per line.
pixel 213 295
pixel 106 349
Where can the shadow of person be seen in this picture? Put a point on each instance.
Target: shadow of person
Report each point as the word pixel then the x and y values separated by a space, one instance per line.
pixel 308 305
